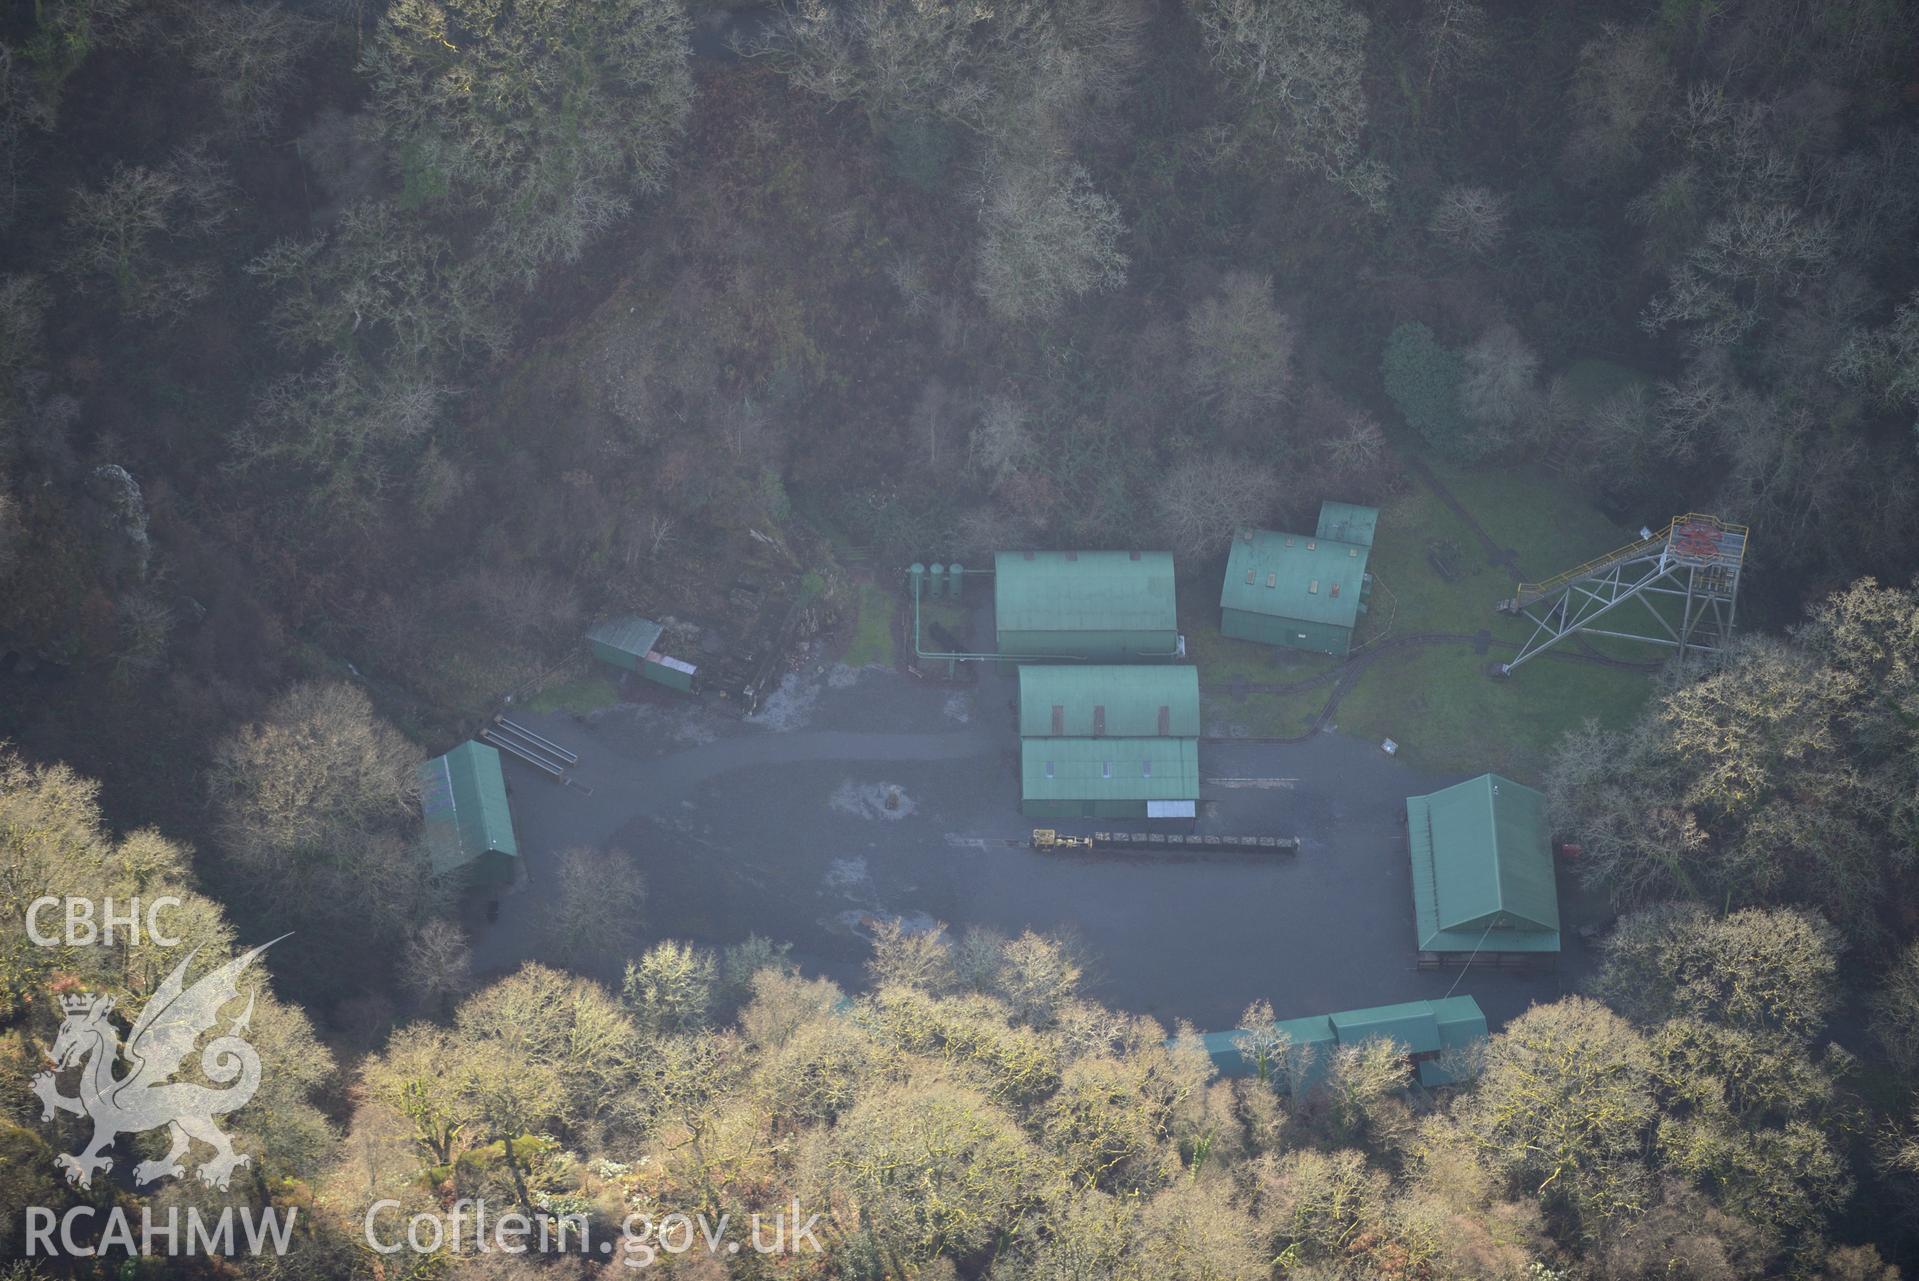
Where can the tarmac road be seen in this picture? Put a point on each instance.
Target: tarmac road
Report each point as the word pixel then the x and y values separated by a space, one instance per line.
pixel 778 825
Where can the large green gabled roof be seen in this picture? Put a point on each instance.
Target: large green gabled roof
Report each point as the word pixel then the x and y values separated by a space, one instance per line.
pixel 1111 700
pixel 463 804
pixel 1083 591
pixel 1302 576
pixel 1109 769
pixel 1482 868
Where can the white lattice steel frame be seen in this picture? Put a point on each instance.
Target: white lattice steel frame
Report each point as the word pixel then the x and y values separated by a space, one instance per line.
pixel 1691 568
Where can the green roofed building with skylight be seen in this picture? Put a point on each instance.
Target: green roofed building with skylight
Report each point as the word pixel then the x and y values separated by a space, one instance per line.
pixel 1304 591
pixel 1109 741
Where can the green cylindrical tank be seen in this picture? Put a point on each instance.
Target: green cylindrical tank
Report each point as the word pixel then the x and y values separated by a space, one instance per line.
pixel 915 577
pixel 956 578
pixel 936 579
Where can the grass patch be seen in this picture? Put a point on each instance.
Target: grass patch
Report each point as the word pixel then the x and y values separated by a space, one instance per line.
pixel 873 629
pixel 1421 599
pixel 956 620
pixel 580 695
pixel 1261 715
pixel 1436 699
pixel 1542 517
pixel 1593 379
pixel 1449 716
pixel 1224 662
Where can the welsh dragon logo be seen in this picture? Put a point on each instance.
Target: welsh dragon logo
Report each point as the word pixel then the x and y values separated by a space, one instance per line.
pixel 144 1099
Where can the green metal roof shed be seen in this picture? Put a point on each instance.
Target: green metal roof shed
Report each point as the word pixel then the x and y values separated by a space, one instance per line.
pixel 1108 701
pixel 1105 777
pixel 1482 869
pixel 1348 522
pixel 468 825
pixel 1460 1023
pixel 1410 1023
pixel 632 644
pixel 1425 1028
pixel 1093 606
pixel 1314 1034
pixel 1298 590
pixel 624 642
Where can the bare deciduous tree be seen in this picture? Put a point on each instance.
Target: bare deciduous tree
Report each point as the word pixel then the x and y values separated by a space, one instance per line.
pixel 1501 385
pixel 247 56
pixel 1025 74
pixel 1454 33
pixel 1300 66
pixel 1469 219
pixel 133 235
pixel 1240 350
pixel 1204 499
pixel 438 964
pixel 547 117
pixel 1001 443
pixel 1047 237
pixel 600 899
pixel 320 761
pixel 1618 95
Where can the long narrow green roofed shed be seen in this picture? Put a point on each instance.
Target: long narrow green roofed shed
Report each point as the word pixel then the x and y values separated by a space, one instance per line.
pixel 1089 606
pixel 1482 869
pixel 1148 701
pixel 1424 1029
pixel 468 824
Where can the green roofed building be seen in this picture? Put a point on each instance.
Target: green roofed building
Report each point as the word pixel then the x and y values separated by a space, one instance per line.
pixel 1304 591
pixel 632 645
pixel 1100 607
pixel 1426 1029
pixel 469 828
pixel 1109 741
pixel 1120 702
pixel 1482 863
pixel 1348 522
pixel 1109 777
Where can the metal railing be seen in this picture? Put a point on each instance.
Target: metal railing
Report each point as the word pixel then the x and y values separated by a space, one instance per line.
pixel 1641 547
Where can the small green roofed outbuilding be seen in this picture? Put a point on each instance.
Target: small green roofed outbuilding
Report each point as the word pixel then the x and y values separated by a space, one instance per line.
pixel 1348 522
pixel 1114 701
pixel 624 642
pixel 1425 1029
pixel 632 645
pixel 1086 606
pixel 468 824
pixel 1482 866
